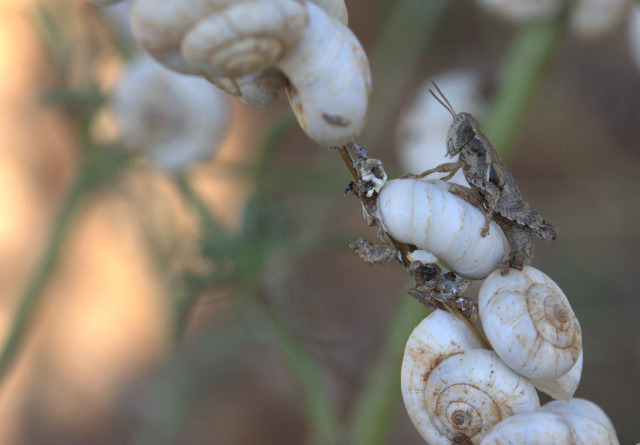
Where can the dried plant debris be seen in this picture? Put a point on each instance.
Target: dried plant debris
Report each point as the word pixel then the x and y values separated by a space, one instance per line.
pixel 433 288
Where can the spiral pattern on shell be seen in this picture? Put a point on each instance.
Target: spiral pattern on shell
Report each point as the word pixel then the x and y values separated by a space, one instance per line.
pixel 218 37
pixel 243 38
pixel 470 393
pixel 452 388
pixel 530 323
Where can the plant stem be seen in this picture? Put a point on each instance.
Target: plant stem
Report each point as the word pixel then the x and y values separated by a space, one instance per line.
pixel 524 66
pixel 395 56
pixel 319 406
pixel 522 74
pixel 378 401
pixel 35 286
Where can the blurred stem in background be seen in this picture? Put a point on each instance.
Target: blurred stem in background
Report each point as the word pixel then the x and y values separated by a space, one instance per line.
pixel 96 166
pixel 394 58
pixel 29 300
pixel 520 79
pixel 522 75
pixel 415 21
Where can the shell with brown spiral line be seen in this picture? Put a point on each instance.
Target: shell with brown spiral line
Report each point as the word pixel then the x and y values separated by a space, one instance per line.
pixel 454 390
pixel 530 323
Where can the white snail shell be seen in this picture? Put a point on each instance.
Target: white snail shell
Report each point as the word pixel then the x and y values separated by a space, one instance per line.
pixel 423 126
pixel 530 323
pixel 334 8
pixel 581 407
pixel 175 119
pixel 257 90
pixel 182 34
pixel 634 33
pixel 519 11
pixel 592 19
pixel 564 387
pixel 425 214
pixel 552 424
pixel 451 387
pixel 243 38
pixel 329 79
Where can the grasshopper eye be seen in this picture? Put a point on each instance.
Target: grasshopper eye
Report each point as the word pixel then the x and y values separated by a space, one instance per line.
pixel 466 132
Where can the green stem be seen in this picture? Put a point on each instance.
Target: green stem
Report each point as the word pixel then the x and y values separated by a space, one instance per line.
pixel 395 57
pixel 216 234
pixel 319 406
pixel 35 286
pixel 377 403
pixel 522 74
pixel 280 127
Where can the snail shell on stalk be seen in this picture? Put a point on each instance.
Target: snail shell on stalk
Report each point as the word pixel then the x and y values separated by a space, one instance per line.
pixel 217 37
pixel 175 119
pixel 244 37
pixel 581 407
pixel 329 79
pixel 571 424
pixel 451 388
pixel 564 387
pixel 335 9
pixel 427 215
pixel 530 323
pixel 257 90
pixel 592 19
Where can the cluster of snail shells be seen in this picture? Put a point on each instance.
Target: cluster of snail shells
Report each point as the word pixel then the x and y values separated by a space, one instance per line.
pixel 254 49
pixel 454 387
pixel 454 384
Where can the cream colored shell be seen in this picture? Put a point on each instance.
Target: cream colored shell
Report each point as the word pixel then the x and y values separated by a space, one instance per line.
pixel 330 80
pixel 530 323
pixel 182 34
pixel 244 38
pixel 522 10
pixel 425 214
pixel 423 126
pixel 581 407
pixel 633 33
pixel 335 9
pixel 175 119
pixel 550 427
pixel 564 387
pixel 593 18
pixel 257 90
pixel 451 387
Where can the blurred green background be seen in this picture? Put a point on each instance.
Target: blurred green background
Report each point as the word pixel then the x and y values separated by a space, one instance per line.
pixel 296 338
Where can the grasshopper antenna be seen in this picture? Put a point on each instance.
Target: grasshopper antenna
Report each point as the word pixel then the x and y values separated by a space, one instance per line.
pixel 444 103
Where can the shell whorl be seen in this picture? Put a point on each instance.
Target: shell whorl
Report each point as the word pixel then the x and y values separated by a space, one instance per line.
pixel 243 38
pixel 218 37
pixel 530 323
pixel 451 387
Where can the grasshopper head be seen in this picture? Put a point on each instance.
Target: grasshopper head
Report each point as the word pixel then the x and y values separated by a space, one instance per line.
pixel 461 131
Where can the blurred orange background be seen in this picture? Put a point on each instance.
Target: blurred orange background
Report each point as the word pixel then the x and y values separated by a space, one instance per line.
pixel 101 336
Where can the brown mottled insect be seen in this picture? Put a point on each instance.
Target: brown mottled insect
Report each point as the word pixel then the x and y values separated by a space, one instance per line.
pixel 491 180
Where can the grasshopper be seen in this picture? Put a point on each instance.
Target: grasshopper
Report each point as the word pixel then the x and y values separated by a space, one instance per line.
pixel 494 184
